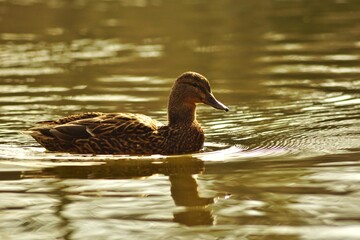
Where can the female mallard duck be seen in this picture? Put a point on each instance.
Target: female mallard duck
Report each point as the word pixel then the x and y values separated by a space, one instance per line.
pixel 127 133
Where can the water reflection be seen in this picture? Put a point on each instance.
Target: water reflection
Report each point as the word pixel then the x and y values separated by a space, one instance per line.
pixel 287 152
pixel 121 168
pixel 28 59
pixel 184 191
pixel 183 185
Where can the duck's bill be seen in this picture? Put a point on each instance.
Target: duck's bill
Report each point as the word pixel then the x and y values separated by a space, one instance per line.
pixel 212 101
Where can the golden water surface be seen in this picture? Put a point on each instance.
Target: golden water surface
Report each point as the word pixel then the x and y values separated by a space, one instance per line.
pixel 283 163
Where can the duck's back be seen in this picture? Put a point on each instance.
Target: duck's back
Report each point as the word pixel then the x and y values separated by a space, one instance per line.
pixel 100 133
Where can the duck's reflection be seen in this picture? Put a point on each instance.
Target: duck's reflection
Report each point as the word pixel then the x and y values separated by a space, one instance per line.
pixel 181 171
pixel 184 192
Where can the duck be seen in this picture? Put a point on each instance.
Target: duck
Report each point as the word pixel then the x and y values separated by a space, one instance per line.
pixel 133 133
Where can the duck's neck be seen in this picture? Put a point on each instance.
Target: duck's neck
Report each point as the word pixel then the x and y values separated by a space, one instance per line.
pixel 181 112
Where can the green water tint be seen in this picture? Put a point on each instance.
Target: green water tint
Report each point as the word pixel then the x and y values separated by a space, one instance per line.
pixel 283 163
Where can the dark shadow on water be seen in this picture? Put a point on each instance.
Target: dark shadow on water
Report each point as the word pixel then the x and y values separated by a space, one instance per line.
pixel 125 169
pixel 183 185
pixel 184 193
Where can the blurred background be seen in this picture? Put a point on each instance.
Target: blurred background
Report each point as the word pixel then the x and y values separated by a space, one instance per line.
pixel 283 163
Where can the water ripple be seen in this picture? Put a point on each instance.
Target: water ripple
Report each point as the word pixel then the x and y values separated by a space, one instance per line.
pixel 304 68
pixel 26 71
pixel 6 89
pixel 133 79
pixel 24 59
pixel 110 97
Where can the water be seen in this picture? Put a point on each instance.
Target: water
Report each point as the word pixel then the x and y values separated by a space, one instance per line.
pixel 282 164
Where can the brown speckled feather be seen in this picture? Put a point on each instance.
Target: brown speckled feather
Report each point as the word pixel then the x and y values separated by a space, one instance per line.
pixel 122 133
pixel 127 133
pixel 72 118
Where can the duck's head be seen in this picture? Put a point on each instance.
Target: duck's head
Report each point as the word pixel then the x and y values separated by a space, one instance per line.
pixel 193 88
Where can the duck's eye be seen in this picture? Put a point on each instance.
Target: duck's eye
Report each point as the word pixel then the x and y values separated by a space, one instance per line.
pixel 194 85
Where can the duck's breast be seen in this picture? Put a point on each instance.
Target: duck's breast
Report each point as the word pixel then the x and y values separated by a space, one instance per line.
pixel 182 139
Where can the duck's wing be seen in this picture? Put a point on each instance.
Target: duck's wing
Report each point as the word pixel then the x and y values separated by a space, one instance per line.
pixel 102 126
pixel 72 118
